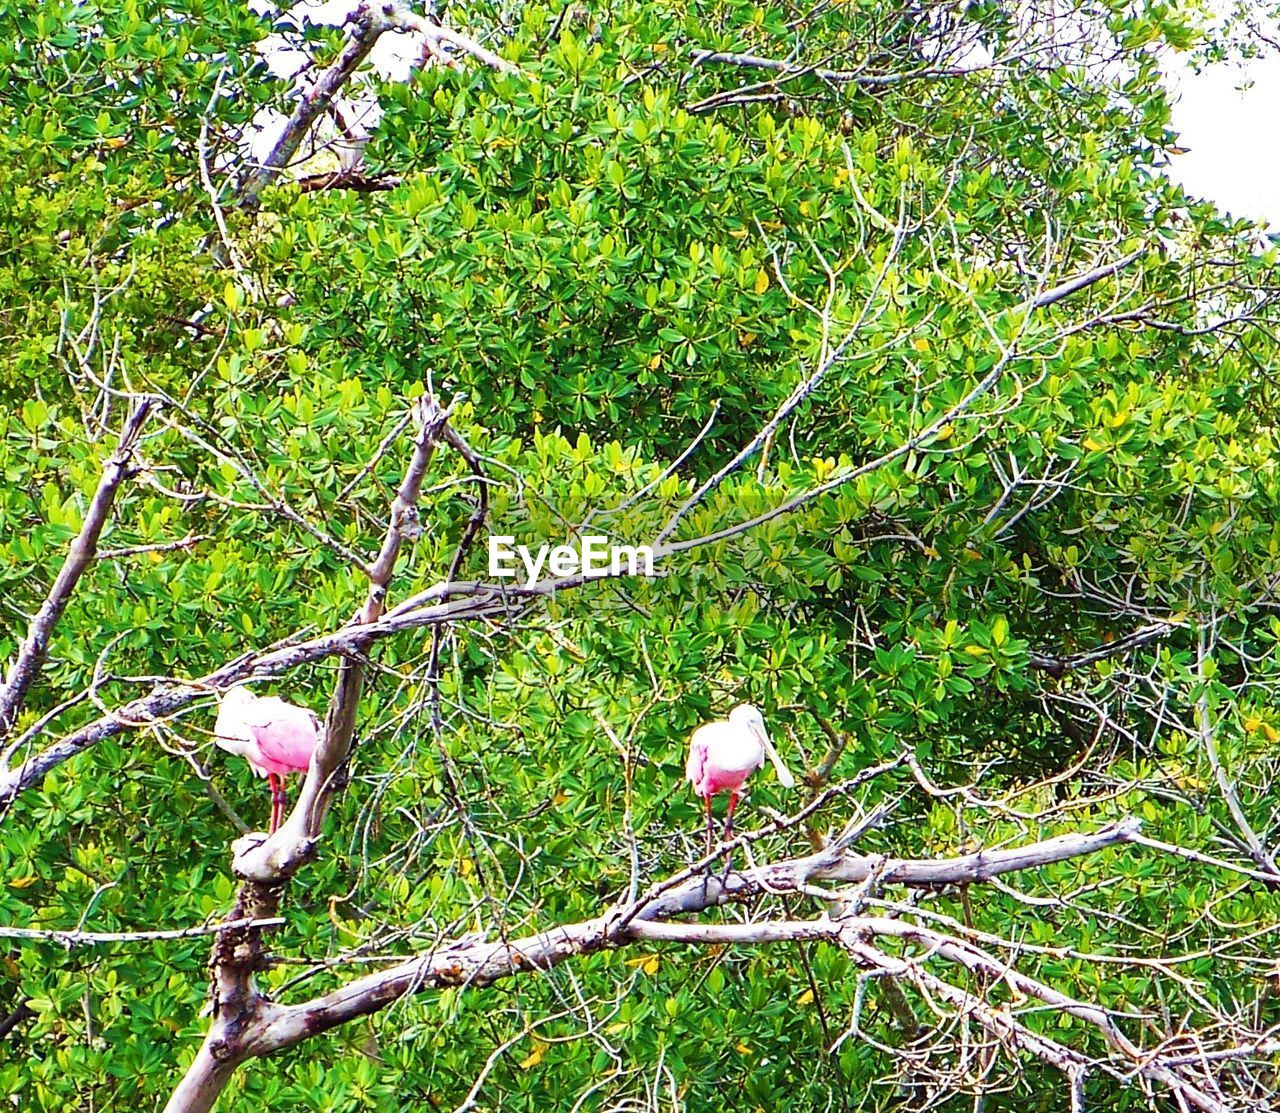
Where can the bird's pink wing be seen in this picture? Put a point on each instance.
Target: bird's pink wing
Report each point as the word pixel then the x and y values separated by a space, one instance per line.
pixel 285 740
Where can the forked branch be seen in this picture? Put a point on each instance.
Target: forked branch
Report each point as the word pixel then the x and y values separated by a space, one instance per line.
pixel 266 864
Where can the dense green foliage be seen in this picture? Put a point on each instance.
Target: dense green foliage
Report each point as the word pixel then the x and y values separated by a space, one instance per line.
pixel 599 260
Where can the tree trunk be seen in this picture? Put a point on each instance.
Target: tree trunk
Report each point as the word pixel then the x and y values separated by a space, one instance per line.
pixel 205 1079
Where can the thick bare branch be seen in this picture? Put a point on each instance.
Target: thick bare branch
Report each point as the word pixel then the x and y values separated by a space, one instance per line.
pixel 166 700
pixel 367 22
pixel 477 963
pixel 697 893
pixel 265 865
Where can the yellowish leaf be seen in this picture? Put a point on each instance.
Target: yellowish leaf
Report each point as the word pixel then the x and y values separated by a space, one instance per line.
pixel 806 998
pixel 23 882
pixel 920 344
pixel 762 280
pixel 535 1056
pixel 647 963
pixel 1093 445
pixel 656 361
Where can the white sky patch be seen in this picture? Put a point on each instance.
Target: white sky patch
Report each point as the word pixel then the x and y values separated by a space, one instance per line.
pixel 267 126
pixel 1225 116
pixel 282 57
pixel 392 58
pixel 393 55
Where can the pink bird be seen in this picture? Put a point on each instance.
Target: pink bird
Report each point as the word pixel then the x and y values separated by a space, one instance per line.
pixel 723 754
pixel 274 736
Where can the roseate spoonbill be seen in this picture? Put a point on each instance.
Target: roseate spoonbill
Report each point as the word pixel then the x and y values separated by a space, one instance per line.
pixel 723 754
pixel 274 736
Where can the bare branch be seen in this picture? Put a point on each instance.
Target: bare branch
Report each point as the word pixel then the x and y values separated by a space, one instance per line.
pixel 923 436
pixel 1091 277
pixel 31 654
pixel 187 542
pixel 367 26
pixel 1002 1023
pixel 291 845
pixel 368 23
pixel 265 864
pixel 20 1014
pixel 476 963
pixel 1056 666
pixel 438 36
pixel 94 938
pixel 347 179
pixel 1205 728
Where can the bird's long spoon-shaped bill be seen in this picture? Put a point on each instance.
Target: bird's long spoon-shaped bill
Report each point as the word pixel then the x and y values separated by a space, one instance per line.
pixel 784 774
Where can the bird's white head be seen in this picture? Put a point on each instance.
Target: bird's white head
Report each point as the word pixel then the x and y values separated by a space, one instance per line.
pixel 236 696
pixel 231 732
pixel 748 717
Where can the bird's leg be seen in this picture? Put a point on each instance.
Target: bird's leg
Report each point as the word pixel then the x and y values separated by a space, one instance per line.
pixel 282 800
pixel 728 832
pixel 275 802
pixel 710 836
